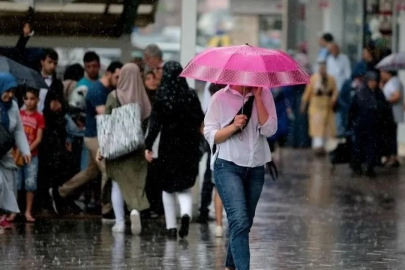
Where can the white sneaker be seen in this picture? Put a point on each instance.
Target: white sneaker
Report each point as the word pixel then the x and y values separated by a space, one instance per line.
pixel 119 227
pixel 219 231
pixel 136 226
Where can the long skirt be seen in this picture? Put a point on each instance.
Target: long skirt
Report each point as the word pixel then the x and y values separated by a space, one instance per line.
pixel 130 174
pixel 8 185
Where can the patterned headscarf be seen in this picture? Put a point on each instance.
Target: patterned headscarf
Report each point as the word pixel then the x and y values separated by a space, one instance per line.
pixel 7 82
pixel 173 89
pixel 130 89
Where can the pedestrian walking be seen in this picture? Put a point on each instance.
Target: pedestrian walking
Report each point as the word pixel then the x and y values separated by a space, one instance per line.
pixel 12 131
pixel 320 96
pixel 95 105
pixel 177 114
pixel 241 152
pixel 369 115
pixel 128 173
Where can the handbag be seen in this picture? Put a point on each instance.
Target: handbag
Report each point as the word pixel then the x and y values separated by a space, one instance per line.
pixel 7 141
pixel 120 132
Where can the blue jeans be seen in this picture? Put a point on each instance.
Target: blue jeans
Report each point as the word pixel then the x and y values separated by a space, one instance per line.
pixel 28 174
pixel 239 189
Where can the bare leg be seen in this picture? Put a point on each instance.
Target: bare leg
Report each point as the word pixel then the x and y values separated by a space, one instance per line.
pixel 218 209
pixel 30 200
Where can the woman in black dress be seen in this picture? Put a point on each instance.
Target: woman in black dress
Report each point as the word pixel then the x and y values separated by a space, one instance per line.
pixel 177 114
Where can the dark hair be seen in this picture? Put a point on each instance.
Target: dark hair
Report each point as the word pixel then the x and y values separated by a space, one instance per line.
pixel 113 66
pixel 90 57
pixel 150 73
pixel 393 73
pixel 74 72
pixel 51 53
pixel 213 88
pixel 328 37
pixel 33 91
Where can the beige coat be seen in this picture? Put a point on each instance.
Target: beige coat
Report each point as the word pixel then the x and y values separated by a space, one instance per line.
pixel 321 115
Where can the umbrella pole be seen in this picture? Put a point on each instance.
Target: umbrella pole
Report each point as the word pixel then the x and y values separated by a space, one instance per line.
pixel 243 98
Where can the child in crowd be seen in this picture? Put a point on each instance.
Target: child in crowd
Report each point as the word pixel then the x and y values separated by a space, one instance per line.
pixel 34 124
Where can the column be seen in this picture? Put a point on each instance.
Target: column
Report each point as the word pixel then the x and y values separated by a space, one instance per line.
pixel 187 52
pixel 188 33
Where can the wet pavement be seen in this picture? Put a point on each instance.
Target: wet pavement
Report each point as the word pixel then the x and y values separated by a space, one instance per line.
pixel 313 217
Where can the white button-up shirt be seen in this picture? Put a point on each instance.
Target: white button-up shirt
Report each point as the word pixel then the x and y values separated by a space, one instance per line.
pixel 339 67
pixel 248 148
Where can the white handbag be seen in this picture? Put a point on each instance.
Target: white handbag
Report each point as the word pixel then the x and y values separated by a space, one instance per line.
pixel 120 132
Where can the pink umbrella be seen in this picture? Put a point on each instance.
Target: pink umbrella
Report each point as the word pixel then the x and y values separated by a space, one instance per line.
pixel 246 65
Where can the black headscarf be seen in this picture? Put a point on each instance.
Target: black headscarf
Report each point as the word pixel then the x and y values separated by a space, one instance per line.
pixel 173 90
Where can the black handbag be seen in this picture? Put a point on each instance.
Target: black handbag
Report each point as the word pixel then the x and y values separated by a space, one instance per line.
pixel 6 141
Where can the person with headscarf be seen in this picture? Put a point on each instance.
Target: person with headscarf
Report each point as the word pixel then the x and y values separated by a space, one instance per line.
pixel 368 115
pixel 349 89
pixel 128 172
pixel 177 114
pixel 11 121
pixel 321 95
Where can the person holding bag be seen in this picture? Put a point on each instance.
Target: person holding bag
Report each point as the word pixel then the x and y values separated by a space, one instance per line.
pixel 238 138
pixel 12 131
pixel 128 169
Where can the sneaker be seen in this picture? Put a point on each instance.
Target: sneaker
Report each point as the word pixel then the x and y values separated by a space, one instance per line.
pixel 185 223
pixel 5 224
pixel 171 233
pixel 219 232
pixel 108 218
pixel 136 226
pixel 56 200
pixel 118 227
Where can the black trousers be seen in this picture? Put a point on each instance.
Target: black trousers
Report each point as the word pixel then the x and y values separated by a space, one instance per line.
pixel 365 149
pixel 153 188
pixel 207 188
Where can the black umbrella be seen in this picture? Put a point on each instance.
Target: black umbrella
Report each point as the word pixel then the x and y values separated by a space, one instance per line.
pixel 24 75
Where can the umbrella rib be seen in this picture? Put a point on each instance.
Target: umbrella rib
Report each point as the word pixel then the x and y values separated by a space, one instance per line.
pixel 229 59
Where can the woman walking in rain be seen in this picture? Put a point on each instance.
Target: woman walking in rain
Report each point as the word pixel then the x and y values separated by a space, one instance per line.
pixel 241 151
pixel 128 172
pixel 11 121
pixel 321 95
pixel 177 114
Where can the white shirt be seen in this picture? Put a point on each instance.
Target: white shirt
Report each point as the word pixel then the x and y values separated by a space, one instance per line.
pixel 248 148
pixel 339 67
pixel 392 86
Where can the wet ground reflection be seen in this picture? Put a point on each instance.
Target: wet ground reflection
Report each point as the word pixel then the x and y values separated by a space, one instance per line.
pixel 311 218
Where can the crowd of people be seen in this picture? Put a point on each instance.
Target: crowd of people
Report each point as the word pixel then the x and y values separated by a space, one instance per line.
pixel 368 105
pixel 57 163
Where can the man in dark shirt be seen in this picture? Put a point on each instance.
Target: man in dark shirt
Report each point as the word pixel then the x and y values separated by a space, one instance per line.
pixel 95 105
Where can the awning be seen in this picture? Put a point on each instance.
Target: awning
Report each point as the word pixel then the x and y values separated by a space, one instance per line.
pixel 109 18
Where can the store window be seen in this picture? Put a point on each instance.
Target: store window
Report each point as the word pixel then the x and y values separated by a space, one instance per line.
pixel 379 22
pixel 270 29
pixel 352 34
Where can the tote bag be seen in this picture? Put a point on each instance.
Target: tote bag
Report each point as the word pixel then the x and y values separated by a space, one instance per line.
pixel 120 132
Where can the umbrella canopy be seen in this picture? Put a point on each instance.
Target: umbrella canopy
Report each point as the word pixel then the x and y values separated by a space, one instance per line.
pixel 392 62
pixel 246 65
pixel 24 75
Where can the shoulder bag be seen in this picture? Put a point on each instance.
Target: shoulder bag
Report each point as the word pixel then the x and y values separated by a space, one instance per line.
pixel 120 132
